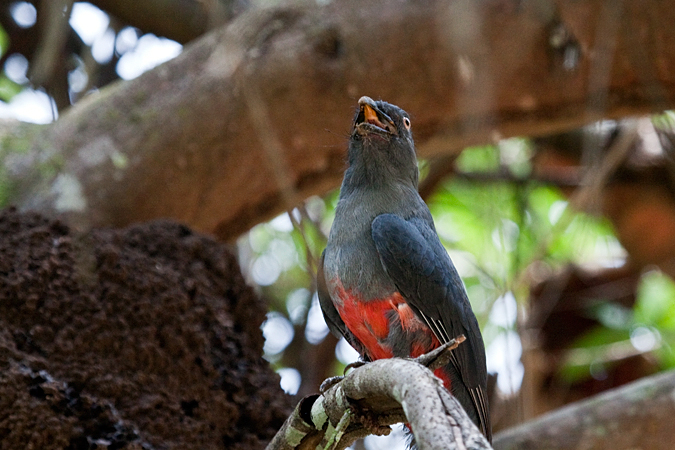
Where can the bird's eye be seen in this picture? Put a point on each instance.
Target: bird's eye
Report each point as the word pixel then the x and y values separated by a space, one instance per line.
pixel 406 123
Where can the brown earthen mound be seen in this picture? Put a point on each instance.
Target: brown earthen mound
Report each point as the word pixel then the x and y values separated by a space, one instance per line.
pixel 143 338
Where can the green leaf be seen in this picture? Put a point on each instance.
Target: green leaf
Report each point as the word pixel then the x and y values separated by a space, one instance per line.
pixel 8 88
pixel 4 40
pixel 478 159
pixel 656 301
pixel 601 345
pixel 664 121
pixel 613 316
pixel 598 338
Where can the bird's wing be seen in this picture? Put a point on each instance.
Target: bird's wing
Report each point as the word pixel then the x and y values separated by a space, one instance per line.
pixel 416 261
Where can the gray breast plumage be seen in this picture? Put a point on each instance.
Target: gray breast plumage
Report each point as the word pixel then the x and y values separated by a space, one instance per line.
pixel 351 256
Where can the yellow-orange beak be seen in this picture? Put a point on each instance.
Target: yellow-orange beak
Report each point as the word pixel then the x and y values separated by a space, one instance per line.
pixel 371 115
pixel 377 120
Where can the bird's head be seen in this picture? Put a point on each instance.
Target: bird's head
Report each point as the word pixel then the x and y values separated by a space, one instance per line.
pixel 381 146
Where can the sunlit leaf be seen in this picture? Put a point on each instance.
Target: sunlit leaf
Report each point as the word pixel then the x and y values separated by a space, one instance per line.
pixel 573 373
pixel 656 301
pixel 479 159
pixel 664 121
pixel 599 337
pixel 8 88
pixel 4 40
pixel 601 345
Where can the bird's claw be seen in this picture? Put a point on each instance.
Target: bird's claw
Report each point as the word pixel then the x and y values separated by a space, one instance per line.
pixel 332 381
pixel 329 383
pixel 354 365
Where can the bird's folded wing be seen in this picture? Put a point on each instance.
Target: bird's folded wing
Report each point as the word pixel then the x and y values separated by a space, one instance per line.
pixel 419 265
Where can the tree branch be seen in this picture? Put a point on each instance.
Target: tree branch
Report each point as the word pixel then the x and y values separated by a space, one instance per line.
pixel 180 141
pixel 638 415
pixel 379 394
pixel 180 20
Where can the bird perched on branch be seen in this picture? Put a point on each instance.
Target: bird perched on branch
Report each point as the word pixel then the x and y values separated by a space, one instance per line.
pixel 385 281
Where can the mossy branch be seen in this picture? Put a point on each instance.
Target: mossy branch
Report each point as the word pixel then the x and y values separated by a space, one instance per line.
pixel 378 394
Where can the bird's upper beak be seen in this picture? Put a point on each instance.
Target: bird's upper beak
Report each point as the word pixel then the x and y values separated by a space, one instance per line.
pixel 371 119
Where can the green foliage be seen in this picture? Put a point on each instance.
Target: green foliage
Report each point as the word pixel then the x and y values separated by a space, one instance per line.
pixel 664 121
pixel 478 159
pixel 655 310
pixel 656 301
pixel 623 332
pixel 8 88
pixel 503 226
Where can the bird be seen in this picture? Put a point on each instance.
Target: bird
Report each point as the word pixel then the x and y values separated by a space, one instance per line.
pixel 384 281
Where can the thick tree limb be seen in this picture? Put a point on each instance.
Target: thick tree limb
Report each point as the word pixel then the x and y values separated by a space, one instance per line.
pixel 638 415
pixel 376 395
pixel 180 20
pixel 192 139
pixel 54 35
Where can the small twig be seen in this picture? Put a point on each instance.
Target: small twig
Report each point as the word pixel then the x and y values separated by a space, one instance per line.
pixel 271 144
pixel 312 260
pixel 440 356
pixel 595 179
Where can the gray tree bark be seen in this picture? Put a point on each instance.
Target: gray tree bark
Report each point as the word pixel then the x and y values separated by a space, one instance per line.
pixel 253 118
pixel 180 20
pixel 379 394
pixel 638 415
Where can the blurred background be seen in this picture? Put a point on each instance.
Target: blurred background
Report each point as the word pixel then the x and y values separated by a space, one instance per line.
pixel 572 298
pixel 566 243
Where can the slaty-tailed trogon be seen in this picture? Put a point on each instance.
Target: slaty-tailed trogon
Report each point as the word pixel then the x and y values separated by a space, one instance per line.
pixel 385 281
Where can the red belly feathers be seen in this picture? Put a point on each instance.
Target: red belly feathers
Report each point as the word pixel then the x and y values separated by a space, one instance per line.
pixel 370 323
